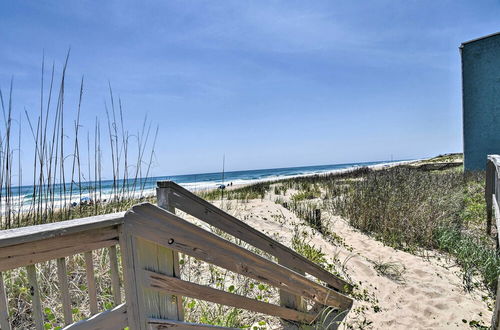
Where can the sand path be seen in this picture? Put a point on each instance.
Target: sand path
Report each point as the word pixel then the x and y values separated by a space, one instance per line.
pixel 429 294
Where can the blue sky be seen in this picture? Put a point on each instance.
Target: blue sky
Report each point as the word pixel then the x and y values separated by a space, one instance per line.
pixel 268 83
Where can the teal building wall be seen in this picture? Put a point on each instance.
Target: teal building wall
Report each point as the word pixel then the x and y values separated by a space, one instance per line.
pixel 481 100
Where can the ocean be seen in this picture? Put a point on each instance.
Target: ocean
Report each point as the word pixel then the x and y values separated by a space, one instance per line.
pixel 23 197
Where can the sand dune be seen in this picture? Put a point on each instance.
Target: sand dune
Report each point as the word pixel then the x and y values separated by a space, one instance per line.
pixel 428 295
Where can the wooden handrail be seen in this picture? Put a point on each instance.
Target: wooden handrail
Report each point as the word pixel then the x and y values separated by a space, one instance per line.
pixel 492 194
pixel 58 246
pixel 172 285
pixel 167 229
pixel 150 238
pixel 49 230
pixel 196 206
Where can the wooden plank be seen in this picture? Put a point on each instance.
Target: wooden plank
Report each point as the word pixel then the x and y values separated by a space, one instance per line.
pixel 147 220
pixel 488 193
pixel 64 290
pixel 190 203
pixel 171 324
pixel 91 287
pixel 292 301
pixel 171 262
pixel 4 307
pixel 174 285
pixel 129 279
pixel 56 247
pixel 160 259
pixel 35 297
pixel 496 212
pixel 115 318
pixel 495 321
pixel 56 229
pixel 115 275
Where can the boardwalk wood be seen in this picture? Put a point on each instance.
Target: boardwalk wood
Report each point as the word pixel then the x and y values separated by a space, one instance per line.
pixel 150 239
pixel 492 196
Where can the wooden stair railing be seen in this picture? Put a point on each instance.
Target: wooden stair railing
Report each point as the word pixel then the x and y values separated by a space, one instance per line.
pixel 492 196
pixel 27 246
pixel 150 239
pixel 196 206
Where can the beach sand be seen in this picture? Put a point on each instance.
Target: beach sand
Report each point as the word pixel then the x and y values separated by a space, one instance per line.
pixel 429 294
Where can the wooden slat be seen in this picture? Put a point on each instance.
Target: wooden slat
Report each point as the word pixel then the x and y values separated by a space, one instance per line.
pixel 163 197
pixel 89 270
pixel 35 297
pixel 171 324
pixel 190 203
pixel 167 229
pixel 495 321
pixel 292 301
pixel 488 193
pixel 496 212
pixel 4 306
pixel 115 318
pixel 129 279
pixel 64 290
pixel 40 232
pixel 158 258
pixel 115 275
pixel 32 252
pixel 174 285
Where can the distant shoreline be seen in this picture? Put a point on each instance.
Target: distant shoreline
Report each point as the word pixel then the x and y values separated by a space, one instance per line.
pixel 374 167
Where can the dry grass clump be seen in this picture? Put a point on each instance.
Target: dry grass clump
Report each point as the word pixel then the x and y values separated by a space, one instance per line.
pixel 17 286
pixel 401 206
pixel 391 270
pixel 408 208
pixel 62 160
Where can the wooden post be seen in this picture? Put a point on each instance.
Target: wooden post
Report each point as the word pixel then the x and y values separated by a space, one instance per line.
pixel 130 279
pixel 290 300
pixel 115 275
pixel 317 219
pixel 495 321
pixel 4 307
pixel 488 193
pixel 139 254
pixel 164 201
pixel 35 297
pixel 64 290
pixel 89 269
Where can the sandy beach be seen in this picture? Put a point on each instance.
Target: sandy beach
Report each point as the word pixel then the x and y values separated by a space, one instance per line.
pixel 430 294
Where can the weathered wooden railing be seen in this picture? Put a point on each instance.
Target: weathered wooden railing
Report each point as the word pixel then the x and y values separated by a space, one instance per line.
pixel 150 238
pixel 492 196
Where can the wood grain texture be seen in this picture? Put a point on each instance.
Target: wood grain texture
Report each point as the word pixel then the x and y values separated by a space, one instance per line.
pixel 497 218
pixel 112 319
pixel 129 279
pixel 495 321
pixel 163 197
pixel 171 324
pixel 174 285
pixel 32 252
pixel 295 302
pixel 162 227
pixel 40 232
pixel 488 192
pixel 91 286
pixel 188 202
pixel 62 276
pixel 34 291
pixel 4 307
pixel 115 275
pixel 159 259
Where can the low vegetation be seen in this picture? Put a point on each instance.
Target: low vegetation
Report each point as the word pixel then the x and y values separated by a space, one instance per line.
pixel 409 208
